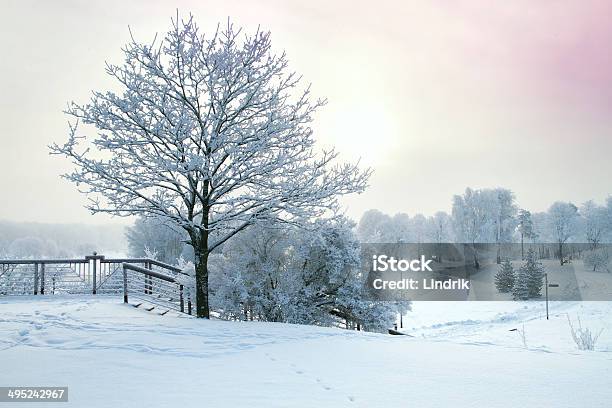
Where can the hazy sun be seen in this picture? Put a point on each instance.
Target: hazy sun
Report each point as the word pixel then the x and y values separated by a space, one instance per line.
pixel 361 132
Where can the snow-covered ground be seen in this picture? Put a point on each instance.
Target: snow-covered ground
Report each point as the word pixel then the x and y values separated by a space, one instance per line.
pixel 462 355
pixel 492 322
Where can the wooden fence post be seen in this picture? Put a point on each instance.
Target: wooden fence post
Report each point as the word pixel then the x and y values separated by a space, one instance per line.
pixel 149 279
pixel 125 285
pixel 94 273
pixel 36 279
pixel 181 299
pixel 42 278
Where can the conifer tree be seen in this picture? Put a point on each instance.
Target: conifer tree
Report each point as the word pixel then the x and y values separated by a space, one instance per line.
pixel 529 279
pixel 535 274
pixel 504 279
pixel 520 291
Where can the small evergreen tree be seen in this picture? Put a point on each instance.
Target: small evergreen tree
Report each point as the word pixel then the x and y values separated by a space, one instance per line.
pixel 529 279
pixel 504 279
pixel 535 274
pixel 520 291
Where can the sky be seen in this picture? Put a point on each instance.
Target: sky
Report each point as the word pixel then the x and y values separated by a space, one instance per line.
pixel 435 96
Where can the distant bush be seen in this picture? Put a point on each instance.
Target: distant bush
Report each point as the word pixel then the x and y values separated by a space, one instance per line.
pixel 598 260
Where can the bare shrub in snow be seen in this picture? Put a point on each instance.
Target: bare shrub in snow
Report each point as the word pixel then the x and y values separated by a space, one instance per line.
pixel 583 337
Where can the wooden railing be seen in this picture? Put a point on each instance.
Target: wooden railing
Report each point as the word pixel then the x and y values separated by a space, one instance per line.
pixel 147 279
pixel 155 287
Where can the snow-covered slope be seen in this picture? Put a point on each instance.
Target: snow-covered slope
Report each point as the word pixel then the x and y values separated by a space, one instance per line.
pixel 462 355
pixel 493 323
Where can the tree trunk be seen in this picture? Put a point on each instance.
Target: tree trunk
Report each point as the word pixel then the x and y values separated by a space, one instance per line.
pixel 202 309
pixel 201 267
pixel 561 252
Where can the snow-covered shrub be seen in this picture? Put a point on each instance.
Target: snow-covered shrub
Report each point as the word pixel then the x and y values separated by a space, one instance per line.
pixel 598 260
pixel 228 289
pixel 187 279
pixel 151 253
pixel 285 274
pixel 504 279
pixel 583 337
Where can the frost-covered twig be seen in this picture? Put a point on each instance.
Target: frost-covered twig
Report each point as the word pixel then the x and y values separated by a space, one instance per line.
pixel 583 337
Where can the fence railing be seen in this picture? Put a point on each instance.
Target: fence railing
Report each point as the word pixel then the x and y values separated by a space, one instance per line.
pixel 154 287
pixel 147 279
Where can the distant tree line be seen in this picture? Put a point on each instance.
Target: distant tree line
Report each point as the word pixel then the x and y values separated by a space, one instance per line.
pixel 493 216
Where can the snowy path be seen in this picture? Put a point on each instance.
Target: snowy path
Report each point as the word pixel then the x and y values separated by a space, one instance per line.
pixel 113 355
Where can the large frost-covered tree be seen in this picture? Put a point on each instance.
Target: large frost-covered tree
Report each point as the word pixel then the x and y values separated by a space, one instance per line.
pixel 419 229
pixel 473 218
pixel 375 226
pixel 504 212
pixel 211 133
pixel 441 227
pixel 563 223
pixel 595 223
pixel 541 232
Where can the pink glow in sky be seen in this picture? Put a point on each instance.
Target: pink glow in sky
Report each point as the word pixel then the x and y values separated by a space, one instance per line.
pixel 435 95
pixel 557 49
